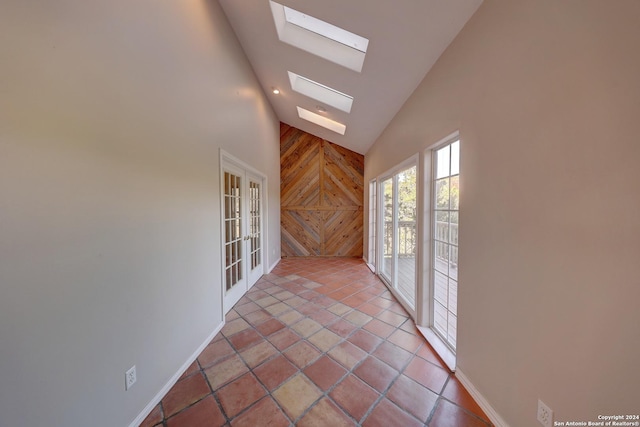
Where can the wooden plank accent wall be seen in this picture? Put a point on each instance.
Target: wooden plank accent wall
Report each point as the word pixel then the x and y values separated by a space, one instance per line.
pixel 321 196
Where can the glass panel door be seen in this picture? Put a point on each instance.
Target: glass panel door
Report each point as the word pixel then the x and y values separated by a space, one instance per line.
pixel 234 274
pixel 243 232
pixel 388 244
pixel 398 233
pixel 406 230
pixel 254 238
pixel 371 253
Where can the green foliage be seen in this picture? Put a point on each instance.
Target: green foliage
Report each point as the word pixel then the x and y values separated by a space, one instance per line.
pixel 407 206
pixel 448 191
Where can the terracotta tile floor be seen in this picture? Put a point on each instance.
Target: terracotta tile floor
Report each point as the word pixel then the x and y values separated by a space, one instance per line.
pixel 318 342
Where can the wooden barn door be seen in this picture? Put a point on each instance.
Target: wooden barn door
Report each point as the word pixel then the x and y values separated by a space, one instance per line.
pixel 321 196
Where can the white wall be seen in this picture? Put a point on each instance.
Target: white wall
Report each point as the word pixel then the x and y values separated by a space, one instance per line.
pixel 112 115
pixel 546 96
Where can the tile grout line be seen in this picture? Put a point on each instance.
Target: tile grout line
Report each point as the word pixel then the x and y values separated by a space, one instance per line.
pixel 351 371
pixel 366 291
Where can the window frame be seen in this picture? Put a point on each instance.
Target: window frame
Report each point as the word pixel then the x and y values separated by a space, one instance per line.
pixel 372 249
pixel 435 240
pixel 427 287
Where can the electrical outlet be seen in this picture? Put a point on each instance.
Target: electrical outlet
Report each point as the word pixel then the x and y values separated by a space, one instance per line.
pixel 545 414
pixel 130 377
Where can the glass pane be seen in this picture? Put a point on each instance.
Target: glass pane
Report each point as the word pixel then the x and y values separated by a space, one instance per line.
pixel 234 274
pixel 406 214
pixel 229 284
pixel 442 226
pixel 455 158
pixel 407 195
pixel 372 222
pixel 453 296
pixel 442 162
pixel 233 253
pixel 406 238
pixel 407 278
pixel 440 318
pixel 441 255
pixel 442 194
pixel 441 292
pixel 452 329
pixel 453 263
pixel 453 227
pixel 387 189
pixel 454 192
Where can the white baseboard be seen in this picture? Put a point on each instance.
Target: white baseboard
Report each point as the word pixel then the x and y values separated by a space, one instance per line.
pixel 174 379
pixel 481 401
pixel 274 265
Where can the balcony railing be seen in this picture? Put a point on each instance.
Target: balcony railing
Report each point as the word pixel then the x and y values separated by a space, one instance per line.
pixel 407 238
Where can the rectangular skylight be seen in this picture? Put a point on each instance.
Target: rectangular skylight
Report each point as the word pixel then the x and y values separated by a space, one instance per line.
pixel 322 121
pixel 319 37
pixel 320 92
pixel 325 29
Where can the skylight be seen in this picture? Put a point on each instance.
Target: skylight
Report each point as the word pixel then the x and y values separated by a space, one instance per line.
pixel 320 92
pixel 318 37
pixel 332 32
pixel 321 121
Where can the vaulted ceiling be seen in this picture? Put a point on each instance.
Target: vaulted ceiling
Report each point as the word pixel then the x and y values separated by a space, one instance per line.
pixel 405 40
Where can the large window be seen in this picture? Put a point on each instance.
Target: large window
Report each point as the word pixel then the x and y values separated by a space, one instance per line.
pixel 444 217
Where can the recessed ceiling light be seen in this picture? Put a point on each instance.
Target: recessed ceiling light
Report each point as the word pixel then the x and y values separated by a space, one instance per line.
pixel 320 92
pixel 322 121
pixel 276 91
pixel 319 37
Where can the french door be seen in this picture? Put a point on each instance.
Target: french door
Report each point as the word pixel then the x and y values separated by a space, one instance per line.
pixel 398 214
pixel 243 235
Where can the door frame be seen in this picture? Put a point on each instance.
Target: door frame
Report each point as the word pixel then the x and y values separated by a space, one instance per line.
pixel 230 162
